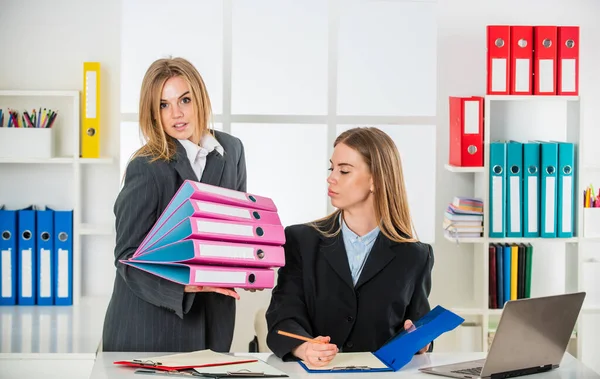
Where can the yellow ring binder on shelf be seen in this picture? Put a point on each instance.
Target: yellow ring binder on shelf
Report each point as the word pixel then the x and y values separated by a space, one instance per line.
pixel 90 120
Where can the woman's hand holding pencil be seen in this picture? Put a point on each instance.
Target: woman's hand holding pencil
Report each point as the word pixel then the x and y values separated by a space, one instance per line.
pixel 316 351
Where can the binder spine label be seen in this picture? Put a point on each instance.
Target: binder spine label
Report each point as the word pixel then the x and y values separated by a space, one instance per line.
pixel 63 273
pixel 207 276
pixel 224 210
pixel 550 205
pixel 45 266
pixel 515 204
pixel 568 81
pixel 7 289
pixel 546 75
pixel 532 211
pixel 471 119
pixel 226 251
pixel 223 228
pixel 567 196
pixel 498 74
pixel 522 75
pixel 27 273
pixel 220 191
pixel 497 204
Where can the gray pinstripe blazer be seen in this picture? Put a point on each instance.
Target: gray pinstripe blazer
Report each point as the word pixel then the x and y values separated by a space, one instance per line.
pixel 147 313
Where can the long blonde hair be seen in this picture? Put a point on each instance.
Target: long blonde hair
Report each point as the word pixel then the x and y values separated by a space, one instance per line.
pixel 391 202
pixel 158 144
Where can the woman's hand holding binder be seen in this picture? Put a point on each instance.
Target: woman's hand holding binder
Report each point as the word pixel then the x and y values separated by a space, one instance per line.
pixel 409 326
pixel 223 291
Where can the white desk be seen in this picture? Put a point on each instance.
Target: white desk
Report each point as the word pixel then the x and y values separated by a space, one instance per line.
pixel 570 367
pixel 50 341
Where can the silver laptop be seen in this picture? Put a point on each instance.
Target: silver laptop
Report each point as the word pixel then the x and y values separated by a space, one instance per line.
pixel 532 337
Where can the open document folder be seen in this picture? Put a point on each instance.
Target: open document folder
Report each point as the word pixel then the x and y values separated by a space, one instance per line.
pixel 195 359
pixel 257 369
pixel 398 351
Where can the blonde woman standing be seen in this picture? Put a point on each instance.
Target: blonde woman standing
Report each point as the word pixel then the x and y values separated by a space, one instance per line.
pixel 147 313
pixel 359 276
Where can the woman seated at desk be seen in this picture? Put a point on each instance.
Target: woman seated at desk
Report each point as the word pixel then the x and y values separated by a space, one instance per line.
pixel 358 276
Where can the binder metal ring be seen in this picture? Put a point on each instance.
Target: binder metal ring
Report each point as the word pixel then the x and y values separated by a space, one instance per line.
pixel 499 42
pixel 570 43
pixel 532 169
pixel 514 169
pixel 62 236
pixel 472 149
pixel 550 170
pixel 45 236
pixel 260 232
pixel 251 278
pixel 91 132
pixel 567 170
pixel 497 169
pixel 27 235
pixel 522 42
pixel 260 253
pixel 256 215
pixel 6 235
pixel 547 43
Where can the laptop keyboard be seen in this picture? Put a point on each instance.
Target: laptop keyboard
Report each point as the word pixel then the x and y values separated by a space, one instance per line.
pixel 469 371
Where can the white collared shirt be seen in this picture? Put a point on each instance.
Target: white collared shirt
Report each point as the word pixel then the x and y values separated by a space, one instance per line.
pixel 197 153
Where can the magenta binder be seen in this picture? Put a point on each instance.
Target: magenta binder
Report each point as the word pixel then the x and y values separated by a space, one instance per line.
pixel 198 208
pixel 195 251
pixel 208 193
pixel 221 230
pixel 204 275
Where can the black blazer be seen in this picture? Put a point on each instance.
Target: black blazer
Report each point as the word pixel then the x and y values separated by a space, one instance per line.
pixel 315 294
pixel 147 313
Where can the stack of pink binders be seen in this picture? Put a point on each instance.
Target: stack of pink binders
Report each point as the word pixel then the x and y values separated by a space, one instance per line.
pixel 213 236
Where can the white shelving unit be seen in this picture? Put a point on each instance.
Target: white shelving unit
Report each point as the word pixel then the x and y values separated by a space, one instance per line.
pixel 28 177
pixel 524 118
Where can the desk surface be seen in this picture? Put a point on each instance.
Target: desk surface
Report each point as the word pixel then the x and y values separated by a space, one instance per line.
pixel 570 367
pixel 52 332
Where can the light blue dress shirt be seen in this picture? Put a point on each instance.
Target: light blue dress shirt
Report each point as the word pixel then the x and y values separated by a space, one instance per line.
pixel 357 248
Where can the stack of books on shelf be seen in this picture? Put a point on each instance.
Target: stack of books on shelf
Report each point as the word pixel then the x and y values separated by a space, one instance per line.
pixel 464 218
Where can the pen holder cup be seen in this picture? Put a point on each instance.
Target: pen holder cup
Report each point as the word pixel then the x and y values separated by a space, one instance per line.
pixel 591 222
pixel 26 143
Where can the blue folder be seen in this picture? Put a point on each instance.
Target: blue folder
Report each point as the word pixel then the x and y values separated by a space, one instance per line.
pixel 63 257
pixel 398 351
pixel 8 260
pixel 27 256
pixel 45 257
